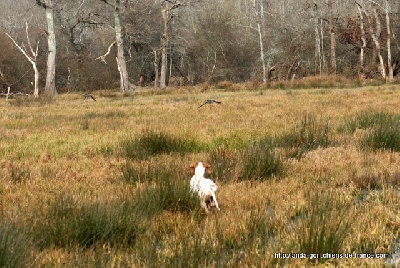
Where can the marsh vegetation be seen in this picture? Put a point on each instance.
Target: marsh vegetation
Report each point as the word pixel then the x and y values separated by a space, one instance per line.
pixel 106 183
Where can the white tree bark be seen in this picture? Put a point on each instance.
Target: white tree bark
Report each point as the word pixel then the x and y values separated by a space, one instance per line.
pixel 50 87
pixel 363 42
pixel 259 15
pixel 155 63
pixel 317 52
pixel 375 34
pixel 375 37
pixel 164 44
pixel 333 38
pixel 388 41
pixel 124 78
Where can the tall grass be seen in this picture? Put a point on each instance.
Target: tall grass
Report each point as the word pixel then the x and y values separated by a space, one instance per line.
pixel 309 134
pixel 376 181
pixel 150 143
pixel 168 191
pixel 384 136
pixel 19 174
pixel 260 161
pixel 215 246
pixel 325 223
pixel 256 161
pixel 382 128
pixel 66 224
pixel 368 120
pixel 168 194
pixel 16 249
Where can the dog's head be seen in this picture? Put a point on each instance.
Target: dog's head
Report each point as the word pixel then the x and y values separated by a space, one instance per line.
pixel 200 168
pixel 210 202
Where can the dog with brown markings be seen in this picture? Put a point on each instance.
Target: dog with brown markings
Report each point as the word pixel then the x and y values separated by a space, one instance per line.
pixel 204 187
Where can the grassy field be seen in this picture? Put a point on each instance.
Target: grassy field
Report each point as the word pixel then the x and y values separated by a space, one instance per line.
pixel 105 183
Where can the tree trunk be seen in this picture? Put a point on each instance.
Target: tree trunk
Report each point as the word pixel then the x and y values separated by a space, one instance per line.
pixel 123 72
pixel 260 38
pixel 36 89
pixel 375 34
pixel 50 88
pixel 156 72
pixel 333 38
pixel 388 42
pixel 363 44
pixel 317 52
pixel 164 45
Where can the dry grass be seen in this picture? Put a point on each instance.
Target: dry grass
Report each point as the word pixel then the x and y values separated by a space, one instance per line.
pixel 65 167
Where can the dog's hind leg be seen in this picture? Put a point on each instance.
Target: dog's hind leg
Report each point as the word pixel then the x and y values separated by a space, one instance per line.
pixel 215 201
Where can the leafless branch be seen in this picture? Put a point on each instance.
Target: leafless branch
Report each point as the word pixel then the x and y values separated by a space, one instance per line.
pixel 103 57
pixel 30 58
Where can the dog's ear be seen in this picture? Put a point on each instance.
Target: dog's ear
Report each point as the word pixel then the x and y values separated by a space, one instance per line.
pixel 208 167
pixel 192 168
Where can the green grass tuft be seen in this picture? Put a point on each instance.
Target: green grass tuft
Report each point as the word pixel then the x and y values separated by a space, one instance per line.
pixel 382 130
pixel 151 143
pixel 15 247
pixel 368 120
pixel 169 191
pixel 325 223
pixel 67 224
pixel 256 161
pixel 307 135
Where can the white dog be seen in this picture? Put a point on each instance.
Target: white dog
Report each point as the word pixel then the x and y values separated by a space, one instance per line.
pixel 204 187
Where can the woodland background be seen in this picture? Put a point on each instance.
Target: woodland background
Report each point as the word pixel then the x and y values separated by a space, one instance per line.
pixel 175 43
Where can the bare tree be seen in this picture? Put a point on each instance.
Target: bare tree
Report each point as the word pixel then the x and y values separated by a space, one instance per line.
pixel 388 41
pixel 318 40
pixel 121 61
pixel 167 15
pixel 333 37
pixel 50 87
pixel 31 55
pixel 363 41
pixel 376 34
pixel 259 13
